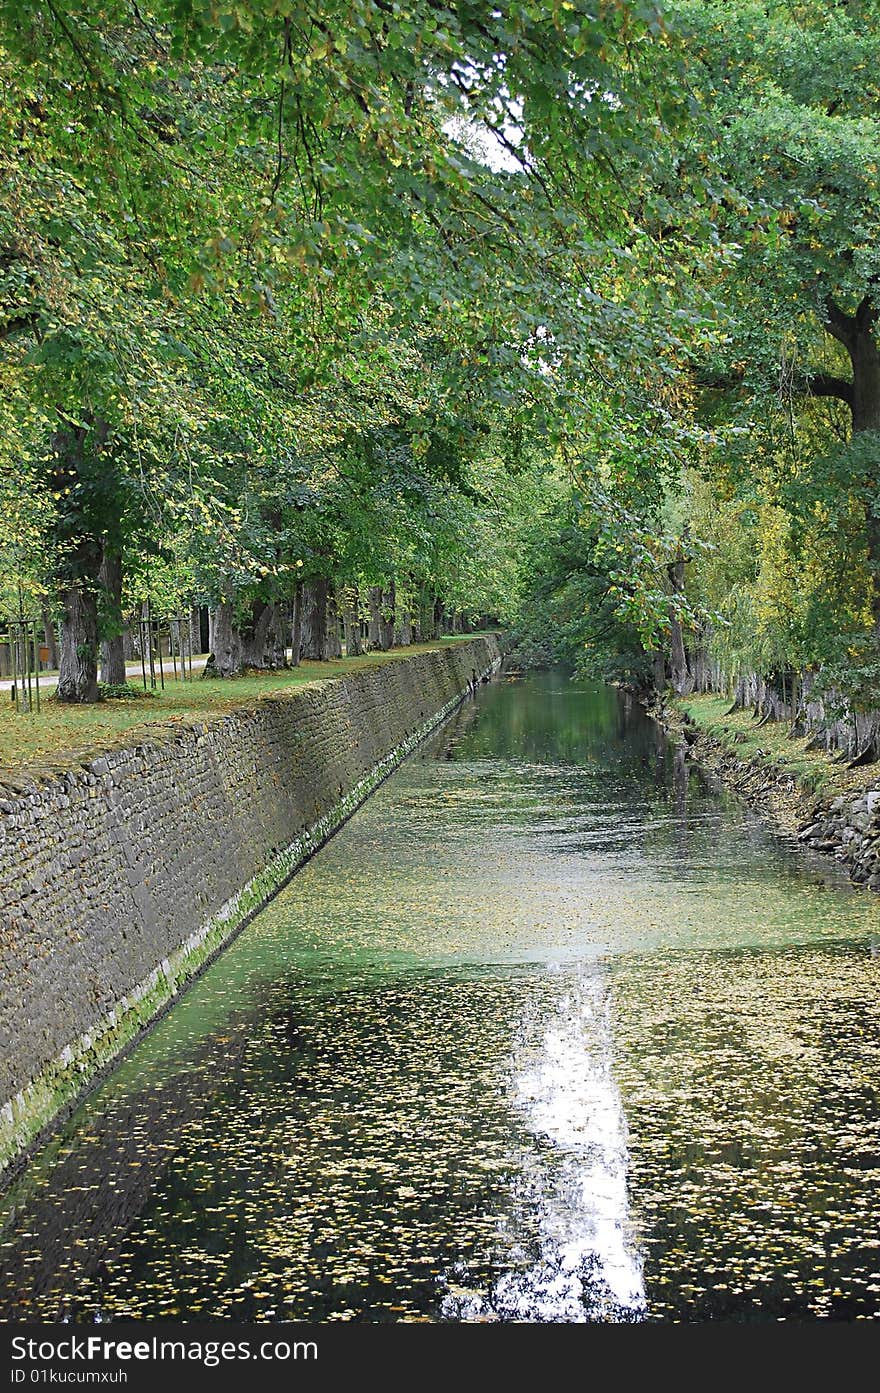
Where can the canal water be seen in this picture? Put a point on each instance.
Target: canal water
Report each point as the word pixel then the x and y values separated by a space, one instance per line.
pixel 552 1030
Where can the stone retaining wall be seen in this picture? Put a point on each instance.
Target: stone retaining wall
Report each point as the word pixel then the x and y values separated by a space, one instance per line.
pixel 120 878
pixel 849 828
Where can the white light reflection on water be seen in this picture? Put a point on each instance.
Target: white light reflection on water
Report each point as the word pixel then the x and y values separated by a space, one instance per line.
pixel 571 1253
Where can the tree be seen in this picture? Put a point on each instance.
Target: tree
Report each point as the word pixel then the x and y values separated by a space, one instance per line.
pixel 787 121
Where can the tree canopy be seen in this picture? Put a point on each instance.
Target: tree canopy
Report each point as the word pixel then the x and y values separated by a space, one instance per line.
pixel 370 314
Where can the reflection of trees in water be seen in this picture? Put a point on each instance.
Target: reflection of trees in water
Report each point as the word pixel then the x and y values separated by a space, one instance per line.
pixel 445 745
pixel 67 1216
pixel 555 721
pixel 680 775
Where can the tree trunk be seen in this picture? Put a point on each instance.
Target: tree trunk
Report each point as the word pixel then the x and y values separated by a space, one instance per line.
pixel 427 621
pixel 409 613
pixel 78 669
pixel 403 625
pixel 865 357
pixel 386 621
pixel 314 620
pixel 659 671
pixel 353 645
pixel 225 656
pixel 112 650
pixel 296 626
pixel 257 637
pixel 334 638
pixel 682 680
pixel 374 631
pixel 857 334
pixel 77 472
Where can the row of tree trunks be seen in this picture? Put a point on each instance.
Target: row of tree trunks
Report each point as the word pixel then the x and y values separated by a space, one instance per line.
pixel 261 642
pixel 796 698
pixel 317 621
pixel 320 616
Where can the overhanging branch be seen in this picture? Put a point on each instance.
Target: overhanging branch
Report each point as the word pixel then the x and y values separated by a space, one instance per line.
pixel 820 384
pixel 824 385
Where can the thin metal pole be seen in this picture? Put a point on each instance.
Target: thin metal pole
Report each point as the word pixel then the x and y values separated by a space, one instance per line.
pixel 158 624
pixel 150 645
pixel 37 667
pixel 171 623
pixel 13 639
pixel 21 641
pixel 29 657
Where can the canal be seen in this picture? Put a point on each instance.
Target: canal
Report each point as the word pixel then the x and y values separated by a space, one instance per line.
pixel 552 1030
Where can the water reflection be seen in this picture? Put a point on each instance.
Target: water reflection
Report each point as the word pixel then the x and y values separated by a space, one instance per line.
pixel 570 1250
pixel 550 1031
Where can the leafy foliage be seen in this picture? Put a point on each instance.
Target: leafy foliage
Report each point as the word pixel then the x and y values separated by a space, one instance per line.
pixel 519 309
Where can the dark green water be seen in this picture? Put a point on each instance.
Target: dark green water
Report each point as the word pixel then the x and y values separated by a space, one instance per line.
pixel 550 1031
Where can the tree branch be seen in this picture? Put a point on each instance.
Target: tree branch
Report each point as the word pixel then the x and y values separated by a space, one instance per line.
pixel 824 385
pixel 279 157
pixel 819 384
pixel 866 314
pixel 840 326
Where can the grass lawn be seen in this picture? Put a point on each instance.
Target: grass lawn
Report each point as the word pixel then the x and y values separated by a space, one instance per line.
pixel 813 769
pixel 64 734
